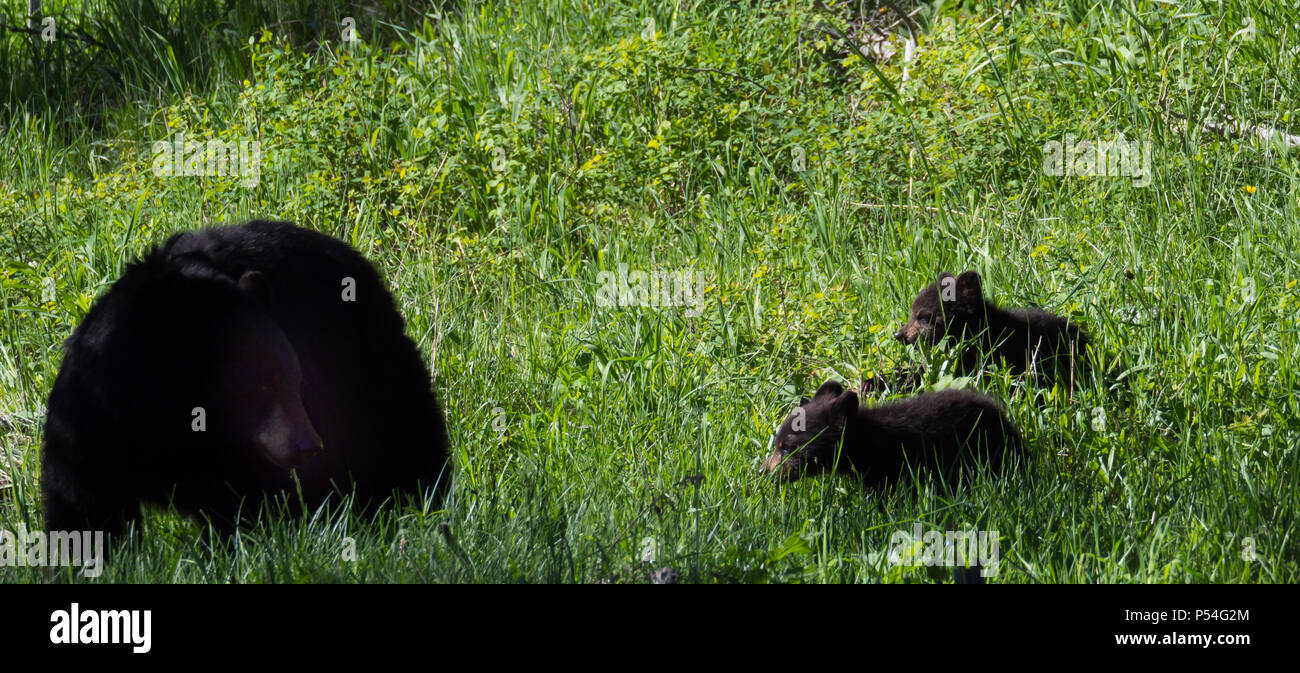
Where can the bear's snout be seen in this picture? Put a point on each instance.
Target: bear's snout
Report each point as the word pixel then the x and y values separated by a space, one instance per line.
pixel 777 466
pixel 306 443
pixel 290 439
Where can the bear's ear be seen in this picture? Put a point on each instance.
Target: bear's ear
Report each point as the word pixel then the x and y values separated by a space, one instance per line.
pixel 968 287
pixel 946 287
pixel 255 284
pixel 845 404
pixel 830 388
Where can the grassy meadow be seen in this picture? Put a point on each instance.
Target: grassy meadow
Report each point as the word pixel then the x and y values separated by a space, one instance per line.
pixel 494 159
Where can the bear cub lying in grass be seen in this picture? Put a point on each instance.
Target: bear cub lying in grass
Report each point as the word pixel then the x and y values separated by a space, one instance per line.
pixel 234 363
pixel 1049 347
pixel 939 432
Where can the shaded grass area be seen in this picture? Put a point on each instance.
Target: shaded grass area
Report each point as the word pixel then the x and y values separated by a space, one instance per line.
pixel 494 160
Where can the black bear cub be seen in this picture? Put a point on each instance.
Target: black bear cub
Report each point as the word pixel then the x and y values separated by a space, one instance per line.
pixel 233 363
pixel 939 432
pixel 1047 346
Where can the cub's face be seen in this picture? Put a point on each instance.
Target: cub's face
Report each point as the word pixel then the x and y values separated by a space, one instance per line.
pixel 808 440
pixel 943 308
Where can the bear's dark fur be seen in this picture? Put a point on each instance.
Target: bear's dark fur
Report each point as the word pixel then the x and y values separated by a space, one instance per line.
pixel 935 432
pixel 1048 346
pixel 300 390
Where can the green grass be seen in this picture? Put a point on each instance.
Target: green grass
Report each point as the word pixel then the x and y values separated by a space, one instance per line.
pixel 493 161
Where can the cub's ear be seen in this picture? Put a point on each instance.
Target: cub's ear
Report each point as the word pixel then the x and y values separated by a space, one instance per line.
pixel 845 404
pixel 968 286
pixel 256 284
pixel 945 286
pixel 830 388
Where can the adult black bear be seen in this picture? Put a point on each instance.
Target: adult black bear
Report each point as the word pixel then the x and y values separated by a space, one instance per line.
pixel 236 362
pixel 1048 346
pixel 937 433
